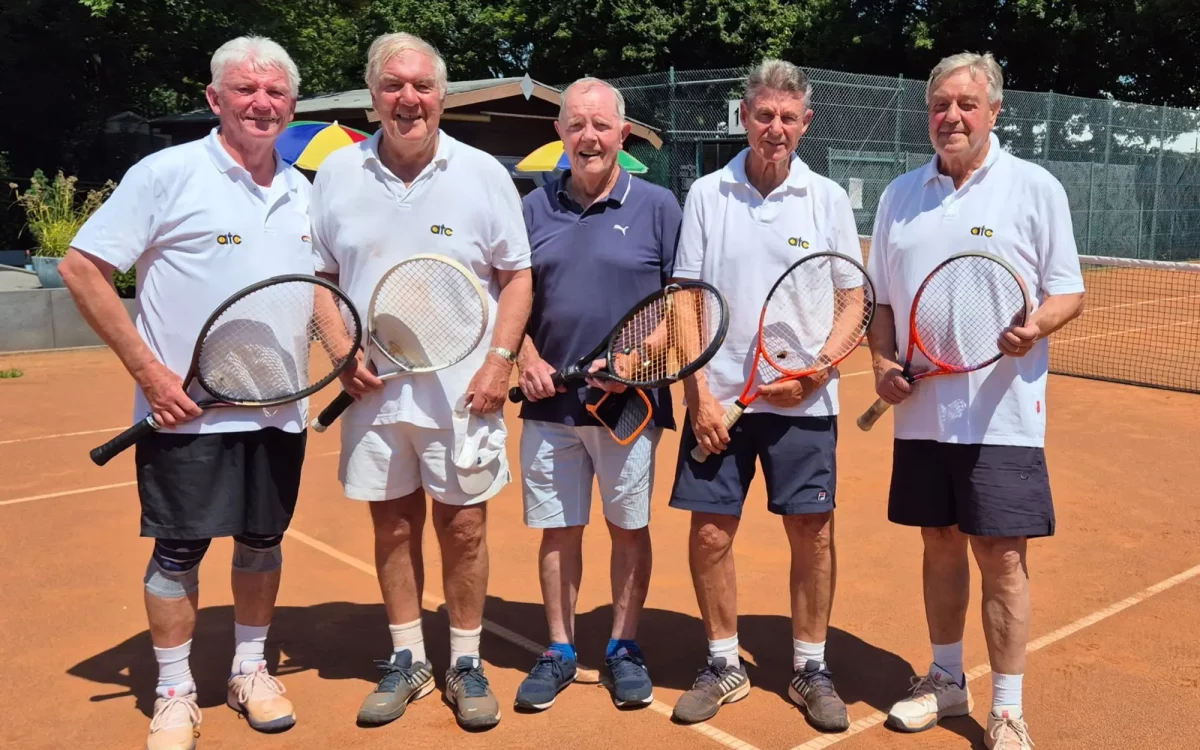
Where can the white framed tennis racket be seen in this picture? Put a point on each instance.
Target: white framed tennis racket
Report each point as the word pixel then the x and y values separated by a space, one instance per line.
pixel 427 312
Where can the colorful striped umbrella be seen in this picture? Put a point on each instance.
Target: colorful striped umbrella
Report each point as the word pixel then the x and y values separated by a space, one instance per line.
pixel 305 143
pixel 553 156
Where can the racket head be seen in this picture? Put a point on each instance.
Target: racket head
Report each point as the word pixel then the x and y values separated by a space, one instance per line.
pixel 816 314
pixel 668 335
pixel 961 310
pixel 427 312
pixel 276 341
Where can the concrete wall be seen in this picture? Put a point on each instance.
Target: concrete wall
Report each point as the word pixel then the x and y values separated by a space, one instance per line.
pixel 45 319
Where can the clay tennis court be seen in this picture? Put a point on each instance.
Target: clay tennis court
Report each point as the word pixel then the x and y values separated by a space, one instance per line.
pixel 1116 652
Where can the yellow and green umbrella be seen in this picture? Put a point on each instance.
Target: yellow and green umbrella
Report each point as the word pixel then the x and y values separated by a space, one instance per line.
pixel 553 156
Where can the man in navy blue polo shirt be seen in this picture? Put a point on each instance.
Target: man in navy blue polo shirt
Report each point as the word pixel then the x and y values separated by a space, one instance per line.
pixel 601 240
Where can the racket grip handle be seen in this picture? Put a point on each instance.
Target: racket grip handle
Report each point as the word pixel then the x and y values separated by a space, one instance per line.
pixel 872 415
pixel 107 452
pixel 330 413
pixel 732 415
pixel 516 395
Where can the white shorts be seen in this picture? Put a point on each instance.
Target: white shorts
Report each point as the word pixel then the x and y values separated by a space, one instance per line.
pixel 384 462
pixel 559 462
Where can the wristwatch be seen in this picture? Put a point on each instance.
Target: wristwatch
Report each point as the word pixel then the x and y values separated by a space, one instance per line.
pixel 506 354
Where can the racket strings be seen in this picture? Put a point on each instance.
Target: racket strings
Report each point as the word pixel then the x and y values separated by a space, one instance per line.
pixel 667 336
pixel 964 308
pixel 427 314
pixel 261 347
pixel 815 316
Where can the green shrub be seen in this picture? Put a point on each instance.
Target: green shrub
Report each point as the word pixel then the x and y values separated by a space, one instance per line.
pixel 52 215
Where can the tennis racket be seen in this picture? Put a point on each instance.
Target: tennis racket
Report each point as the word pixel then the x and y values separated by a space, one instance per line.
pixel 961 310
pixel 815 315
pixel 255 350
pixel 427 313
pixel 664 338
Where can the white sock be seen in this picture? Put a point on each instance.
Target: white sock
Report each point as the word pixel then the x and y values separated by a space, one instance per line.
pixel 250 643
pixel 1006 694
pixel 803 652
pixel 727 649
pixel 948 659
pixel 464 643
pixel 408 637
pixel 174 672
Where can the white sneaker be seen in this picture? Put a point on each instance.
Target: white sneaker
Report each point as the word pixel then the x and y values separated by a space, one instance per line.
pixel 1004 733
pixel 934 697
pixel 174 724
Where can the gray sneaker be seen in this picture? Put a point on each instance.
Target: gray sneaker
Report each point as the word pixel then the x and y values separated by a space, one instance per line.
pixel 403 682
pixel 717 684
pixel 812 690
pixel 475 707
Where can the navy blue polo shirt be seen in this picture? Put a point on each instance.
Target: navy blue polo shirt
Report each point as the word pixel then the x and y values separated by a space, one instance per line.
pixel 589 268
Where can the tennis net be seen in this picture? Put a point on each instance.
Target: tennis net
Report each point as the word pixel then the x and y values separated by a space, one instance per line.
pixel 1140 325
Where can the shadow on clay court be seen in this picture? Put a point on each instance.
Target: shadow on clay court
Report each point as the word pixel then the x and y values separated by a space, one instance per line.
pixel 342 640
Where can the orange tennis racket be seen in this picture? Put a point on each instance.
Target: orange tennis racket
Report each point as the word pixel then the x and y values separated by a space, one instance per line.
pixel 961 310
pixel 815 315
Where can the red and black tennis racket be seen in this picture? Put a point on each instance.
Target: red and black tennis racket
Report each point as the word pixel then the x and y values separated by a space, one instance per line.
pixel 815 315
pixel 257 349
pixel 961 310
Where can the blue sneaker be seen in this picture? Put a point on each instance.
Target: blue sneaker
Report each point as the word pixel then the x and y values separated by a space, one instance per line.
pixel 631 684
pixel 552 672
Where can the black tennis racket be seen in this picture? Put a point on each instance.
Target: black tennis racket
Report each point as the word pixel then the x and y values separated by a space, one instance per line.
pixel 256 349
pixel 666 337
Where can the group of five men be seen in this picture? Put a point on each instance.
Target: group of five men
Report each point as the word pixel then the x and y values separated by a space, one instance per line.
pixel 562 265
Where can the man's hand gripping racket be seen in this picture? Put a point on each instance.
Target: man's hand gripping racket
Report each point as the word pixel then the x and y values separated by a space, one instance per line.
pixel 666 337
pixel 256 349
pixel 960 313
pixel 815 315
pixel 427 312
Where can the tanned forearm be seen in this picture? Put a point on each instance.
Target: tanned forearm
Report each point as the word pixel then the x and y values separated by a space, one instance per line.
pixel 90 282
pixel 1056 312
pixel 881 338
pixel 513 308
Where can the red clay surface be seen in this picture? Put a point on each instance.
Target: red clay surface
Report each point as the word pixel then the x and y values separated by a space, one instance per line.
pixel 79 671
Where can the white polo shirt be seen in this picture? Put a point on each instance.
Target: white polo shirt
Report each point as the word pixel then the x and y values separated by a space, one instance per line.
pixel 741 242
pixel 198 229
pixel 463 205
pixel 1011 208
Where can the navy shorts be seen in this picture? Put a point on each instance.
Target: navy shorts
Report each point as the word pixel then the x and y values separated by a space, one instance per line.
pixel 218 484
pixel 985 490
pixel 799 462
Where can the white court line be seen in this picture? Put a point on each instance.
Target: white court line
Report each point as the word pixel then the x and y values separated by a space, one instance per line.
pixel 711 732
pixel 878 717
pixel 1124 331
pixel 60 435
pixel 66 493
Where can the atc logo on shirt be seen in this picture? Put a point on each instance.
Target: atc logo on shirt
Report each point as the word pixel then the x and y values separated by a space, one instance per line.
pixel 798 242
pixel 981 231
pixel 229 238
pixel 441 229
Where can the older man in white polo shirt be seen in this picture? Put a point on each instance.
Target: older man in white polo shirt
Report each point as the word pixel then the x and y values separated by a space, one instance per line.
pixel 373 206
pixel 226 472
pixel 743 226
pixel 968 465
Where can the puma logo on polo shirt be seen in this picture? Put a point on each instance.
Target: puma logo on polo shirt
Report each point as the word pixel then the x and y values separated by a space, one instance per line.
pixel 229 238
pixel 623 229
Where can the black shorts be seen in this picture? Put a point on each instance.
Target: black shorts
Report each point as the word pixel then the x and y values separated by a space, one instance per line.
pixel 799 461
pixel 219 484
pixel 986 490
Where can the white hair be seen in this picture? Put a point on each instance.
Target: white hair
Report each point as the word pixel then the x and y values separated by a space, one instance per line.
pixel 387 46
pixel 586 83
pixel 974 62
pixel 262 53
pixel 777 75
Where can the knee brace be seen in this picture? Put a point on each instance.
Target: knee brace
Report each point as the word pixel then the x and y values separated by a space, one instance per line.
pixel 255 553
pixel 173 572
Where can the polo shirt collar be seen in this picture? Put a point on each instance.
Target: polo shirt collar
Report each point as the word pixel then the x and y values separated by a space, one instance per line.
pixel 226 164
pixel 799 175
pixel 617 195
pixel 930 171
pixel 369 149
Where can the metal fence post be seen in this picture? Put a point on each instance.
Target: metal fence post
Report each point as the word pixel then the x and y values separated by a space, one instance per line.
pixel 672 176
pixel 1049 119
pixel 900 168
pixel 1162 134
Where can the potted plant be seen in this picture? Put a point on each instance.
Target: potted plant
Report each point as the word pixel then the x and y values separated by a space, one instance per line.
pixel 54 219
